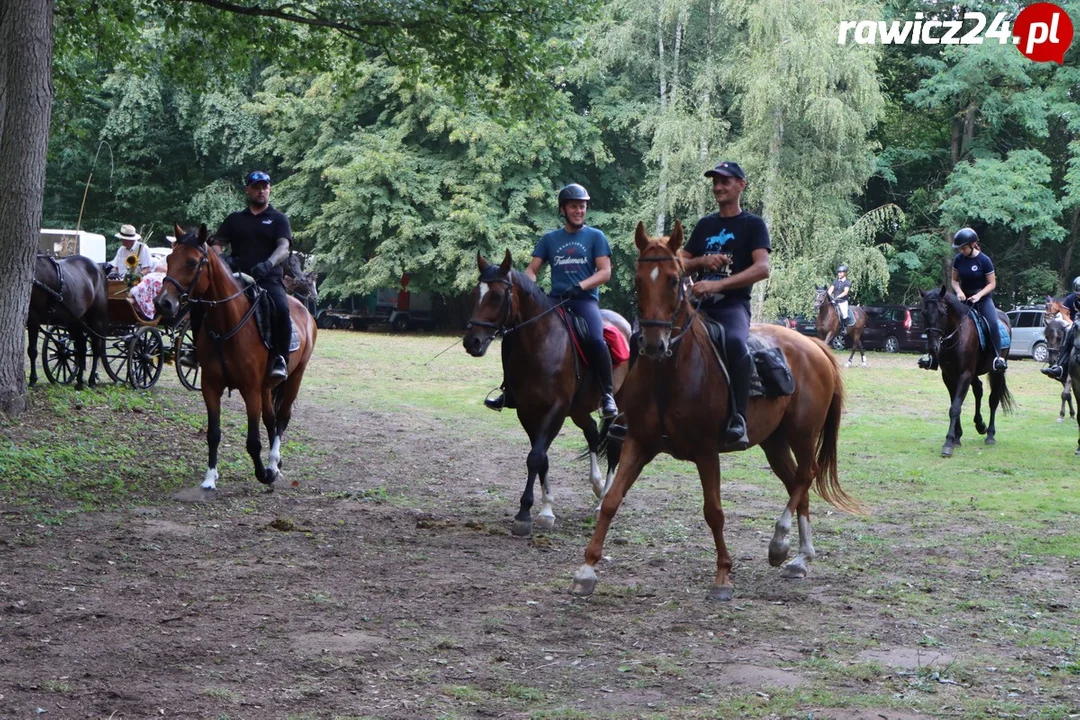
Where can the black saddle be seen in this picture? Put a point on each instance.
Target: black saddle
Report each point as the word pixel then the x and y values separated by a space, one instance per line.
pixel 264 310
pixel 771 376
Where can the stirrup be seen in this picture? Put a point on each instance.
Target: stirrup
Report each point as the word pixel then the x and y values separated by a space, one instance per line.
pixel 1000 364
pixel 608 408
pixel 280 370
pixel 495 403
pixel 1056 372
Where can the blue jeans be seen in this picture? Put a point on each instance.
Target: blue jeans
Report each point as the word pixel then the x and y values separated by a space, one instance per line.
pixel 595 348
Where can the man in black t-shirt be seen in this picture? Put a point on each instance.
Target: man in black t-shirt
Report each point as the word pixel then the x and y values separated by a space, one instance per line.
pixel 260 238
pixel 730 251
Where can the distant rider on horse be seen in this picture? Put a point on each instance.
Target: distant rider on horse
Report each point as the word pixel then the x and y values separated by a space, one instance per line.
pixel 840 292
pixel 973 281
pixel 580 259
pixel 1060 369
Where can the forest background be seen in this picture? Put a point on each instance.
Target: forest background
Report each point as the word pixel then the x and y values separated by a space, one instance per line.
pixel 388 164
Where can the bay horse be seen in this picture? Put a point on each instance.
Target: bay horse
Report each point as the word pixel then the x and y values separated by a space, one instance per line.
pixel 71 292
pixel 298 281
pixel 545 377
pixel 1055 335
pixel 828 323
pixel 953 341
pixel 675 401
pixel 230 350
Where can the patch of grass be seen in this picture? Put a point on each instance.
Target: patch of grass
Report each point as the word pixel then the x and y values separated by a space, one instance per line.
pixel 524 693
pixel 464 693
pixel 222 694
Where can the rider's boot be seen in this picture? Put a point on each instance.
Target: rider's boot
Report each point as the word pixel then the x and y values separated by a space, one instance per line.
pixel 740 372
pixel 279 369
pixel 503 399
pixel 601 362
pixel 1000 365
pixel 1057 370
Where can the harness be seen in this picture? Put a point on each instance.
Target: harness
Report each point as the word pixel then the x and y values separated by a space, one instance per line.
pixel 58 296
pixel 185 298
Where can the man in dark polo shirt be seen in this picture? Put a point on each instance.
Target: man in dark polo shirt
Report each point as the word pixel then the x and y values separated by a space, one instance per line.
pixel 260 239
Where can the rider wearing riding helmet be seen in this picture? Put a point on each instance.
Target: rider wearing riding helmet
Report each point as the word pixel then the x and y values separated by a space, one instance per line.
pixel 973 281
pixel 1060 369
pixel 840 292
pixel 580 259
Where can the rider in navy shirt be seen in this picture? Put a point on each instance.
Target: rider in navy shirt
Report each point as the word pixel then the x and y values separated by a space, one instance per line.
pixel 1060 369
pixel 973 281
pixel 580 259
pixel 730 251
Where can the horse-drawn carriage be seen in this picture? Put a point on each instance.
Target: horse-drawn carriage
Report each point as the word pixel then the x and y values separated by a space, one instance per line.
pixel 136 344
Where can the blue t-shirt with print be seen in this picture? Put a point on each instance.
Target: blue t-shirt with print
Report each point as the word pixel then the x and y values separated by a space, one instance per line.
pixel 572 256
pixel 972 272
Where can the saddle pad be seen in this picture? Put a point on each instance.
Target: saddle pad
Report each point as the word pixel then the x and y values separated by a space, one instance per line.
pixel 618 348
pixel 262 321
pixel 984 329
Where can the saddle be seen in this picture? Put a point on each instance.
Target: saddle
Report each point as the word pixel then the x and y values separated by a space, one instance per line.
pixel 771 375
pixel 618 347
pixel 264 313
pixel 850 319
pixel 981 324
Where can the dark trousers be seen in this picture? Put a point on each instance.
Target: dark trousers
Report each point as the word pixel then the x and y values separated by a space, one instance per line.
pixel 280 324
pixel 735 317
pixel 986 308
pixel 595 348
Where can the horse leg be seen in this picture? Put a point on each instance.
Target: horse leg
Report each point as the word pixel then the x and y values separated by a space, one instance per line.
pixel 855 345
pixel 977 391
pixel 797 476
pixel 269 419
pixel 862 351
pixel 289 390
pixel 78 339
pixel 998 390
pixel 253 401
pixel 632 459
pixel 957 391
pixel 212 398
pixel 537 464
pixel 708 465
pixel 587 424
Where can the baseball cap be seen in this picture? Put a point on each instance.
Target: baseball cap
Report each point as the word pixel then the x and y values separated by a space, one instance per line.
pixel 727 168
pixel 256 176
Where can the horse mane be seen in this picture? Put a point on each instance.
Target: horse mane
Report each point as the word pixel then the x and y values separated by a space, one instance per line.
pixel 951 301
pixel 523 282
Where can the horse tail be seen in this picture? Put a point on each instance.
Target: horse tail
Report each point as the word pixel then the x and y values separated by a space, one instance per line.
pixel 997 385
pixel 276 394
pixel 827 479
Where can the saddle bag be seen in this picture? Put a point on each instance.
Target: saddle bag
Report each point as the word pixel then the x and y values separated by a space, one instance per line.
pixel 774 372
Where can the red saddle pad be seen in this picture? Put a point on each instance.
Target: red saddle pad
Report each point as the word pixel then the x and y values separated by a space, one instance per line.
pixel 617 345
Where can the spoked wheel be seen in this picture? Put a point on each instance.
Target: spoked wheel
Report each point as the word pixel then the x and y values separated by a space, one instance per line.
pixel 146 355
pixel 116 357
pixel 58 357
pixel 185 341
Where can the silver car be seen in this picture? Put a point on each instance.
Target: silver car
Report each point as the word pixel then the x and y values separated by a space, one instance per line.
pixel 1028 333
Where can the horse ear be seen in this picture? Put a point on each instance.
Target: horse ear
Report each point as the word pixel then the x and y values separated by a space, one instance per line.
pixel 202 234
pixel 481 262
pixel 640 238
pixel 675 239
pixel 178 231
pixel 507 263
pixel 1049 299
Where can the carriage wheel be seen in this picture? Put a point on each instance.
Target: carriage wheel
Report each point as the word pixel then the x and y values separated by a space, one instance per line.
pixel 58 356
pixel 116 357
pixel 185 339
pixel 146 355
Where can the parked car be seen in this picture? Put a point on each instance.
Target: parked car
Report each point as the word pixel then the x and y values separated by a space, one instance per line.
pixel 894 328
pixel 1028 333
pixel 802 324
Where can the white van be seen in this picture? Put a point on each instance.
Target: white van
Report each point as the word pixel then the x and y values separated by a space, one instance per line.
pixel 62 243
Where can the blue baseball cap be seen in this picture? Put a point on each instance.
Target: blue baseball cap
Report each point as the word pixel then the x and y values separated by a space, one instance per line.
pixel 727 168
pixel 256 176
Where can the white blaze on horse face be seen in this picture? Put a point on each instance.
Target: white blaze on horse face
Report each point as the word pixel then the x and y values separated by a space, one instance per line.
pixel 655 273
pixel 483 290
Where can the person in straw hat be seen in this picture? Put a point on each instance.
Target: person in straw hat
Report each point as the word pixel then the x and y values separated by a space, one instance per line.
pixel 131 245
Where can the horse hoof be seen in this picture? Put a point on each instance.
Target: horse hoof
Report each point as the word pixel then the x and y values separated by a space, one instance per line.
pixel 583 587
pixel 721 593
pixel 847 364
pixel 1061 419
pixel 990 440
pixel 545 522
pixel 946 451
pixel 1077 453
pixel 522 528
pixel 269 477
pixel 778 552
pixel 794 570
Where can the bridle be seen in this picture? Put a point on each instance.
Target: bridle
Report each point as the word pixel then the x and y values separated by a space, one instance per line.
pixel 669 324
pixel 185 293
pixel 943 307
pixel 506 310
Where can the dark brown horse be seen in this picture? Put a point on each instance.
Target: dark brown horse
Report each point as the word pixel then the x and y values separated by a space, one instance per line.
pixel 675 400
pixel 828 323
pixel 230 350
pixel 1055 335
pixel 71 293
pixel 546 379
pixel 952 340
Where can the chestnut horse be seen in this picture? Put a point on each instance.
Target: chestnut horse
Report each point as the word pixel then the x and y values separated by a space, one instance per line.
pixel 545 378
pixel 953 341
pixel 1054 308
pixel 675 400
pixel 828 323
pixel 72 293
pixel 230 350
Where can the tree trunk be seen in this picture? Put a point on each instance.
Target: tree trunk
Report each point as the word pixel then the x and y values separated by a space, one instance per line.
pixel 661 193
pixel 26 93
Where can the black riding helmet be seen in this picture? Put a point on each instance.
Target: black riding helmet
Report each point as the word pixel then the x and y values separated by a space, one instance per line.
pixel 573 191
pixel 842 269
pixel 1076 284
pixel 964 236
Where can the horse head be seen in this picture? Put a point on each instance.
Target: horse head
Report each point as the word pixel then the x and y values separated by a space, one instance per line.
pixel 184 274
pixel 821 296
pixel 660 285
pixel 942 314
pixel 493 305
